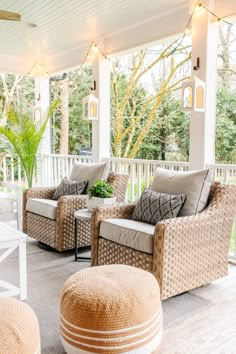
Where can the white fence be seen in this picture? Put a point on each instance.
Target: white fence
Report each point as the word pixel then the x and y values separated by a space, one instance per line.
pixel 52 168
pixel 141 172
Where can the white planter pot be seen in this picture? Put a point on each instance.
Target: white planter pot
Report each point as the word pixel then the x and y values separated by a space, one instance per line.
pixel 93 202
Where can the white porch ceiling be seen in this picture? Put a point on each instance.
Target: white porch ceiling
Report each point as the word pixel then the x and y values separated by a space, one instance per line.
pixel 65 28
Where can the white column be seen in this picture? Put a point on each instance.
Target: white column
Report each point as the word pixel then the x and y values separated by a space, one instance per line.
pixel 202 124
pixel 42 99
pixel 101 128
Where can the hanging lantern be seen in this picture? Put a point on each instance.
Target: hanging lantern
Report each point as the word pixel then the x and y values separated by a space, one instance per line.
pixel 90 107
pixel 193 95
pixel 38 115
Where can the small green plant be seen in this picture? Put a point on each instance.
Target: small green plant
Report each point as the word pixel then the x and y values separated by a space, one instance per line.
pixel 25 136
pixel 101 189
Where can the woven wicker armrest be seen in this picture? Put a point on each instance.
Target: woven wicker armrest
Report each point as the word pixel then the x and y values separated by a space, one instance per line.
pixel 67 203
pixel 117 211
pixel 119 181
pixel 186 246
pixel 42 193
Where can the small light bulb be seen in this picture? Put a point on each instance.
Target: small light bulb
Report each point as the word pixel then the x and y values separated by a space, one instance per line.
pixel 199 9
pixel 94 47
pixel 187 30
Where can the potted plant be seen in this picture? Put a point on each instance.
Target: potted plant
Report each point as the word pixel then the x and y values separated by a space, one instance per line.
pixel 25 136
pixel 101 193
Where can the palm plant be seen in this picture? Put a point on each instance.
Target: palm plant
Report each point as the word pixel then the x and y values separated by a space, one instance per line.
pixel 25 136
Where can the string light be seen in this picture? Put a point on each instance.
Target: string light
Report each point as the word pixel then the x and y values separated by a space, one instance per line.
pixel 199 9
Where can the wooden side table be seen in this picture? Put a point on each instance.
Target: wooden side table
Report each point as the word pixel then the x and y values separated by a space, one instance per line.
pixel 82 221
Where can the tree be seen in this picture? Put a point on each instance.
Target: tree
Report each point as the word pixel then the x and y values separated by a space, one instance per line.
pixel 169 134
pixel 226 125
pixel 142 112
pixel 80 131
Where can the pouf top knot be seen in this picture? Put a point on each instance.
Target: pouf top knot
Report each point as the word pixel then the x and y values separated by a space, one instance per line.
pixel 19 329
pixel 110 302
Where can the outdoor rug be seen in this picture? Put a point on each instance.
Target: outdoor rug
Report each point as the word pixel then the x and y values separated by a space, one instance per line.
pixel 48 271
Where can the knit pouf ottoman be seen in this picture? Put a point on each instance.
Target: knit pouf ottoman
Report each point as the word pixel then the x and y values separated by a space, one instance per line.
pixel 111 309
pixel 19 329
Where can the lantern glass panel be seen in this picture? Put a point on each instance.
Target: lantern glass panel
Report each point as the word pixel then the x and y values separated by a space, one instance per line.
pixel 188 97
pixel 199 97
pixel 93 109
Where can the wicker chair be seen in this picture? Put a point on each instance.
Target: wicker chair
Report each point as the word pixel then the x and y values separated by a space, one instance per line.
pixel 188 252
pixel 59 233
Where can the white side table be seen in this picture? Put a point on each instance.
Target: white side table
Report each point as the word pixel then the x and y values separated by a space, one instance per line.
pixel 82 216
pixel 11 239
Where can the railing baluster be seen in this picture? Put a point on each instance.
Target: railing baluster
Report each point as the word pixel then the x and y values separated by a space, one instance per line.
pixel 139 172
pixel 12 170
pixel 132 184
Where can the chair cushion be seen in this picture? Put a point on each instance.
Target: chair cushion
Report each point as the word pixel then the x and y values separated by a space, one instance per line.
pixel 90 172
pixel 153 207
pixel 134 234
pixel 195 184
pixel 69 187
pixel 43 207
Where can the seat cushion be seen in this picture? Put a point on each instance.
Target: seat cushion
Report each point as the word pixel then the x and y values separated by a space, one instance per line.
pixel 195 184
pixel 134 234
pixel 43 207
pixel 90 172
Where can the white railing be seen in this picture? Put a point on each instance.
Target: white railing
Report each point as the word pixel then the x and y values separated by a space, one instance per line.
pixel 224 173
pixel 141 172
pixel 11 170
pixel 52 168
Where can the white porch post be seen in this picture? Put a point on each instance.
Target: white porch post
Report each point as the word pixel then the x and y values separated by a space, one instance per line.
pixel 42 99
pixel 101 127
pixel 202 124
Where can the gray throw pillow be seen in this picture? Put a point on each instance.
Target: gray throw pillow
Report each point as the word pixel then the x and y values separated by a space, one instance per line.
pixel 153 207
pixel 195 184
pixel 68 187
pixel 90 172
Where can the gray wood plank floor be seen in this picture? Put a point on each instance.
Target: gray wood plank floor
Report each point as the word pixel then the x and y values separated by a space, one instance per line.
pixel 213 330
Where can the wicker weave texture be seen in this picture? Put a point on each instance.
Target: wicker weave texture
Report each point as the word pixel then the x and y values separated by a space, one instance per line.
pixel 41 228
pixel 59 234
pixel 104 310
pixel 19 328
pixel 113 253
pixel 188 251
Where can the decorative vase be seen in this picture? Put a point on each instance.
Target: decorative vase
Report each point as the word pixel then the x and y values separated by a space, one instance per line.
pixel 93 202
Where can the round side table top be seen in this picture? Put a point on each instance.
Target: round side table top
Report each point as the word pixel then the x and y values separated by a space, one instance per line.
pixel 83 214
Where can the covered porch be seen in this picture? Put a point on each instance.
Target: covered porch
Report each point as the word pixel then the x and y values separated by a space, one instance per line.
pixel 60 42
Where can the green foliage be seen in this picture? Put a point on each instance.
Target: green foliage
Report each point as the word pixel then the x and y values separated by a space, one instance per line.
pixel 226 125
pixel 169 133
pixel 25 137
pixel 101 189
pixel 80 131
